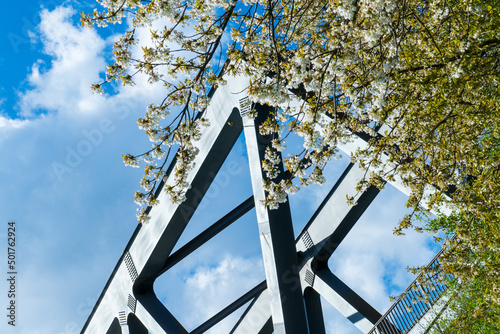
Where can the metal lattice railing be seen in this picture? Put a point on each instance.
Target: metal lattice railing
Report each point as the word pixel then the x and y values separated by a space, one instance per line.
pixel 415 302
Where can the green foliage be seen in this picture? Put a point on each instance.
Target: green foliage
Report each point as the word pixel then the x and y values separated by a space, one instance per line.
pixel 472 256
pixel 468 312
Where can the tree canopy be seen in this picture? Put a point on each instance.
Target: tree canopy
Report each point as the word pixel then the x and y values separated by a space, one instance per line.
pixel 420 78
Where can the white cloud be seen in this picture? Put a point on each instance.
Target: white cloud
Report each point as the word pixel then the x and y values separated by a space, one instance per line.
pixel 68 218
pixel 7 123
pixel 77 61
pixel 210 289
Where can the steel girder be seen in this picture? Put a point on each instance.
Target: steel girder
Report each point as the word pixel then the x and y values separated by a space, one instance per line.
pixel 288 301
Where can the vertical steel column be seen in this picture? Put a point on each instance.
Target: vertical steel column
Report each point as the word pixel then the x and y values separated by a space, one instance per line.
pixel 276 237
pixel 314 311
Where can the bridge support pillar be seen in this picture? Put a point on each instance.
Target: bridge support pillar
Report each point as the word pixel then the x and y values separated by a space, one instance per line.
pixel 276 236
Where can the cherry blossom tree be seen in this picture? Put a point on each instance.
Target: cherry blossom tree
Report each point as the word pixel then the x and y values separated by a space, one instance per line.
pixel 419 79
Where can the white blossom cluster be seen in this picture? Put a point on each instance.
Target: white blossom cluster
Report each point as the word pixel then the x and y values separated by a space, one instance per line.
pixel 340 58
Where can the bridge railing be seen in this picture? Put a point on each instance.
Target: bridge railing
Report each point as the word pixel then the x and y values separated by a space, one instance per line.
pixel 415 301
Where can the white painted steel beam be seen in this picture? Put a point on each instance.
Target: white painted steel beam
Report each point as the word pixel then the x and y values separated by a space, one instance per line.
pixel 276 236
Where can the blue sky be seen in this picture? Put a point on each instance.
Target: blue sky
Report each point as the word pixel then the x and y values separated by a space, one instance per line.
pixel 63 182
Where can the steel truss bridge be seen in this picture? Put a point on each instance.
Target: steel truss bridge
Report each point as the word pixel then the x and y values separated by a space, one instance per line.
pixel 296 269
